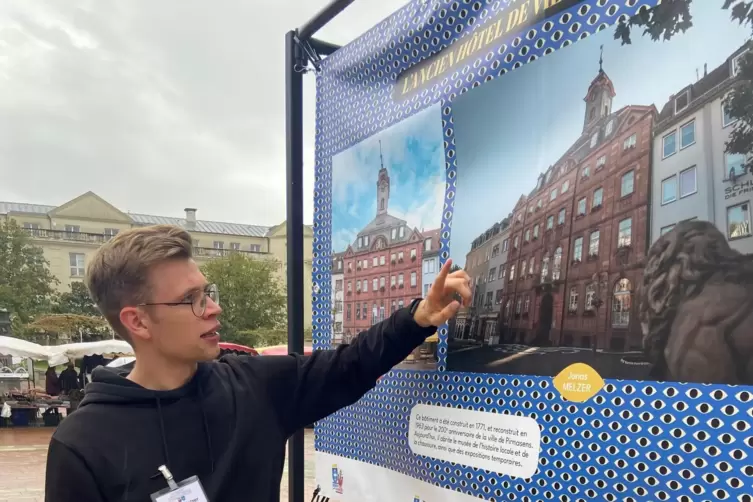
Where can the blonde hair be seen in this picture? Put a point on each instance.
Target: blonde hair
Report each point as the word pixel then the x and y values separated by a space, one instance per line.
pixel 118 274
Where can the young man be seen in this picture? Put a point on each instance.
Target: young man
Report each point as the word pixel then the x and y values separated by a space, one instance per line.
pixel 219 426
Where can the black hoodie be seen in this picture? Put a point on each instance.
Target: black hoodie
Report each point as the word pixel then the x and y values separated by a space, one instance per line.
pixel 228 425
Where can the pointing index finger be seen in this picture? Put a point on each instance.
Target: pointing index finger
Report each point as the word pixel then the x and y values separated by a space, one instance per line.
pixel 443 273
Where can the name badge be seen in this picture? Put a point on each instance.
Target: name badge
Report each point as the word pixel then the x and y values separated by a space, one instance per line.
pixel 188 490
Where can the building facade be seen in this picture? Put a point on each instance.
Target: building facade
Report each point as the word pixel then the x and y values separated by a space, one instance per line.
pixel 693 176
pixel 578 240
pixel 69 235
pixel 338 296
pixel 382 267
pixel 430 260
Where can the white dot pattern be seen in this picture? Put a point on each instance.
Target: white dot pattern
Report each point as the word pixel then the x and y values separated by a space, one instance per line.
pixel 634 441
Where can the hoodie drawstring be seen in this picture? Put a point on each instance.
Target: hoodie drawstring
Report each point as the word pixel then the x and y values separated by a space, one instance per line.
pixel 207 436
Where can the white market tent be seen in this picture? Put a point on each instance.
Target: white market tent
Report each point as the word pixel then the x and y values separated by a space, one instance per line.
pixel 60 354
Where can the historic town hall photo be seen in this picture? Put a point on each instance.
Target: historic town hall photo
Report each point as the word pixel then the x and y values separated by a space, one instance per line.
pixel 568 172
pixel 388 195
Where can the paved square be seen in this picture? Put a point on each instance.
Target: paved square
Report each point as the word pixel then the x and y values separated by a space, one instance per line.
pixel 23 453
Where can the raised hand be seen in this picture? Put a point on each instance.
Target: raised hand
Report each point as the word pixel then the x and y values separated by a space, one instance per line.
pixel 440 304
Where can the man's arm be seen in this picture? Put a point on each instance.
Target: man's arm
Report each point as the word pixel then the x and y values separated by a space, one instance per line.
pixel 305 389
pixel 67 478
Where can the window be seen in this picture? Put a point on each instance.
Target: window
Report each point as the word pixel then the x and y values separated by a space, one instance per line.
pixel 365 286
pixel 536 231
pixel 501 272
pixel 400 256
pixel 516 241
pixel 621 303
pixel 557 265
pixel 688 182
pixel 561 218
pixel 594 139
pixel 582 206
pixel 565 186
pixel 413 277
pixel 382 282
pixel 738 221
pixel 400 280
pixel 630 142
pixel 498 297
pixel 593 244
pixel 512 272
pixel 77 264
pixel 360 242
pixel 532 266
pixel 401 233
pixel 539 203
pixel 553 194
pixel 218 245
pixel 550 222
pixel 366 241
pixel 669 144
pixel 382 259
pixel 506 245
pixel 544 268
pixel 235 246
pixel 364 264
pixel 413 253
pixel 375 261
pixel 400 303
pixel 527 304
pixel 112 232
pixel 492 273
pixel 669 190
pixel 610 125
pixel 429 266
pixel 427 245
pixel 73 229
pixel 528 235
pixel 598 196
pixel 586 171
pixel 667 229
pixel 628 180
pixel 687 135
pixel 518 305
pixel 572 304
pixel 522 269
pixel 590 294
pixel 601 162
pixel 625 235
pixel 735 162
pixel 347 316
pixel 256 248
pixel 489 297
pixel 393 234
pixel 530 209
pixel 737 63
pixel 727 119
pixel 578 249
pixel 682 101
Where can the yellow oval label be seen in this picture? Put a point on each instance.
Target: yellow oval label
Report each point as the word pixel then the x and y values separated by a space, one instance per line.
pixel 578 382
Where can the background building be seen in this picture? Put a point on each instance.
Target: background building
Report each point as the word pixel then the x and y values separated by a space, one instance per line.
pixel 430 260
pixel 70 233
pixel 338 278
pixel 578 240
pixel 382 266
pixel 693 177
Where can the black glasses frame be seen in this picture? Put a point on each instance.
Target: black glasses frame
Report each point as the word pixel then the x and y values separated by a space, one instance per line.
pixel 198 301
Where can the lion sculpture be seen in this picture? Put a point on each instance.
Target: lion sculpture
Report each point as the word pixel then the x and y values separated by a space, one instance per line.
pixel 696 308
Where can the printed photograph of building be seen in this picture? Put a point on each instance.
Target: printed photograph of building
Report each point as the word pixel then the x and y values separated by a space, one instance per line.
pixel 388 197
pixel 556 204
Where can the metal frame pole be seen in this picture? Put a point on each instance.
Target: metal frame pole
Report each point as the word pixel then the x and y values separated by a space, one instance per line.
pixel 295 64
pixel 294 146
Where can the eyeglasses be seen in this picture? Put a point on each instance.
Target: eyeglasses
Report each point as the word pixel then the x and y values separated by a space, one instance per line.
pixel 197 300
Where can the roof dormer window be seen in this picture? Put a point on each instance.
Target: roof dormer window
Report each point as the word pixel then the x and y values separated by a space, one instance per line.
pixel 682 101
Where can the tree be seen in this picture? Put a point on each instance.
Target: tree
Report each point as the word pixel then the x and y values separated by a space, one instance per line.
pixel 26 283
pixel 73 327
pixel 251 296
pixel 671 17
pixel 76 301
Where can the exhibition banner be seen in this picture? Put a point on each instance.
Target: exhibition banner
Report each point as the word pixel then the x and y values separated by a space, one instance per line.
pixel 587 163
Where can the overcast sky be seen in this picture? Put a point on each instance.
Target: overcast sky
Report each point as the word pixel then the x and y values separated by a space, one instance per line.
pixel 156 105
